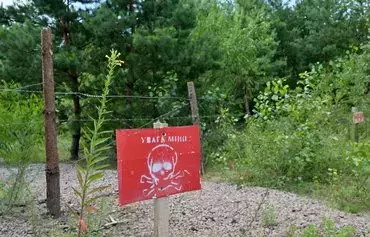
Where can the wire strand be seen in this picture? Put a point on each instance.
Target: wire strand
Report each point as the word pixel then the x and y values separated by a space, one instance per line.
pixel 32 85
pixel 81 94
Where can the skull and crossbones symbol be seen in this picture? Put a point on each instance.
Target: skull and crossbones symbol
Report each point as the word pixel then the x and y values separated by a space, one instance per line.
pixel 161 163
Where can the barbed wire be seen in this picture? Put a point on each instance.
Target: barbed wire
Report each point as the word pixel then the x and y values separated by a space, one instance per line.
pixel 82 94
pixel 125 119
pixel 19 123
pixel 21 91
pixel 345 122
pixel 28 86
pixel 120 119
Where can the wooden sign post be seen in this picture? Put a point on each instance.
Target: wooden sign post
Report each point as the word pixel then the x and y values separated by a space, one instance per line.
pixel 161 206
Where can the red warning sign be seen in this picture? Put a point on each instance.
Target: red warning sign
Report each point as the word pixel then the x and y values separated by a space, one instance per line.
pixel 358 117
pixel 154 163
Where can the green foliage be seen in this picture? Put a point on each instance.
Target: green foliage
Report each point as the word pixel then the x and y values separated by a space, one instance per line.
pixel 94 146
pixel 318 31
pixel 21 142
pixel 273 101
pixel 310 231
pixel 243 56
pixel 164 91
pixel 21 127
pixel 327 229
pixel 303 136
pixel 235 42
pixel 269 216
pixel 14 191
pixel 236 46
pixel 358 156
pixel 20 59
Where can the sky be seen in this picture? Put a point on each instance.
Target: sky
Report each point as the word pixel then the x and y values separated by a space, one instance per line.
pixel 6 2
pixel 10 2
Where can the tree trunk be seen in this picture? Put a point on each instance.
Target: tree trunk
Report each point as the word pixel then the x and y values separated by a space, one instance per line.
pixel 247 107
pixel 129 87
pixel 76 125
pixel 131 7
pixel 73 77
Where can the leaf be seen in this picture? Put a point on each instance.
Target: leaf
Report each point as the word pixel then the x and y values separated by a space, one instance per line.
pixel 87 131
pixel 79 177
pixel 91 200
pixel 101 167
pixel 95 177
pixel 97 160
pixel 106 132
pixel 78 193
pixel 101 149
pixel 74 211
pixel 81 169
pixel 87 136
pixel 98 189
pixel 86 151
pixel 100 141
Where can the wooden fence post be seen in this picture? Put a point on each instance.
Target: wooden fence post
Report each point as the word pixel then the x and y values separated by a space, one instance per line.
pixel 52 160
pixel 356 136
pixel 196 119
pixel 161 206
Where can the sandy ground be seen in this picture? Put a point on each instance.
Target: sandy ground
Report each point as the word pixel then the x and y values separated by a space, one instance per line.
pixel 219 209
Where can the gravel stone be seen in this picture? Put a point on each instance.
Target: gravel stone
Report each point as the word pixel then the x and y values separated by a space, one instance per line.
pixel 219 209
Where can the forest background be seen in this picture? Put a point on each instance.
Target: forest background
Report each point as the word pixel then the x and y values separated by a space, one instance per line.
pixel 276 83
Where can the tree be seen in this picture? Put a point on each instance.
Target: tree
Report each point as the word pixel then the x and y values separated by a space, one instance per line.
pixel 63 18
pixel 20 58
pixel 153 38
pixel 318 30
pixel 237 42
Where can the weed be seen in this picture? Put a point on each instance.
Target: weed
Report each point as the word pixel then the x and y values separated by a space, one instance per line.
pixel 269 217
pixel 14 191
pixel 21 130
pixel 94 145
pixel 327 229
pixel 310 231
pixel 292 231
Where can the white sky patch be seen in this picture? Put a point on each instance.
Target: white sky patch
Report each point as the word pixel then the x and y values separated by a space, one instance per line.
pixel 6 2
pixel 290 2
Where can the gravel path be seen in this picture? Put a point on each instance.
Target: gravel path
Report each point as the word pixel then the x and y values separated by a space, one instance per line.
pixel 219 209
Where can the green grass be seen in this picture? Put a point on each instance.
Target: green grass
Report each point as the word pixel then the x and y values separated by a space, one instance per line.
pixel 343 194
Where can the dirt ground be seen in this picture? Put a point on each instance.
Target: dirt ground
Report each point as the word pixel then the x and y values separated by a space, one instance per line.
pixel 219 209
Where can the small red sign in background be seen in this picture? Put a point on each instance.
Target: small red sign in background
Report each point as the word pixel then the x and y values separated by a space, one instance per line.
pixel 358 117
pixel 154 163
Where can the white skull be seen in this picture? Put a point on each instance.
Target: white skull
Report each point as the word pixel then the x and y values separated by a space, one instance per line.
pixel 162 161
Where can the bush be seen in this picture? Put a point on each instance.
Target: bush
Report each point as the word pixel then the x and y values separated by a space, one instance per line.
pixel 21 126
pixel 303 135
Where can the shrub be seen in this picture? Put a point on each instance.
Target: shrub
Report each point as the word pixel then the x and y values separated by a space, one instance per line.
pixel 302 135
pixel 21 125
